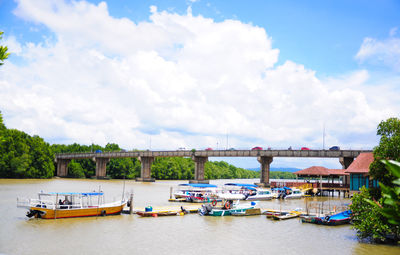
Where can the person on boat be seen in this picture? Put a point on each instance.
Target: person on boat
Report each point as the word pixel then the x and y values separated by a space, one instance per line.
pixel 184 210
pixel 60 202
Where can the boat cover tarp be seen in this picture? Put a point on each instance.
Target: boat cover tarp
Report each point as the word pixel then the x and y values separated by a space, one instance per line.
pixel 282 189
pixel 245 185
pixel 199 185
pixel 341 215
pixel 76 193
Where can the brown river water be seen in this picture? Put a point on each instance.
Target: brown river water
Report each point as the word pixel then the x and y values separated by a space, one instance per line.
pixel 189 234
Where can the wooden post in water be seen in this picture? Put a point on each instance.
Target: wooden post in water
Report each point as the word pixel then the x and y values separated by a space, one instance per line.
pixel 131 204
pixel 55 207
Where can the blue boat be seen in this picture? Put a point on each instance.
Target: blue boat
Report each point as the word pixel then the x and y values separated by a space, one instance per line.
pixel 331 220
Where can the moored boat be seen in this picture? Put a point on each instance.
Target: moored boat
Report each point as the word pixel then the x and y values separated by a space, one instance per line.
pixel 331 220
pixel 55 205
pixel 229 208
pixel 259 195
pixel 187 190
pixel 157 213
pixel 294 193
pixel 285 216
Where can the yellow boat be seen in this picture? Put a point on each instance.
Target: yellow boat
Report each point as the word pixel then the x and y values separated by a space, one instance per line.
pixel 56 205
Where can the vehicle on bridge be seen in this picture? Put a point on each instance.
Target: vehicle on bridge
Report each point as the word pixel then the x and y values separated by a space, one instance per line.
pixel 209 149
pixel 334 148
pixel 305 148
pixel 257 148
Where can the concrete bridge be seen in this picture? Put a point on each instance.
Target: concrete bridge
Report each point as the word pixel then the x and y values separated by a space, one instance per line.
pixel 200 157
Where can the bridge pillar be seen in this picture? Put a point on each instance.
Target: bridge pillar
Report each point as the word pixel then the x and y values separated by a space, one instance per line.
pixel 145 172
pixel 265 166
pixel 199 170
pixel 62 167
pixel 346 162
pixel 101 165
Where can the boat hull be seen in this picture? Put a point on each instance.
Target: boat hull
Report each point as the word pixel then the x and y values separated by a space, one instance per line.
pixel 156 214
pixel 334 220
pixel 227 212
pixel 46 213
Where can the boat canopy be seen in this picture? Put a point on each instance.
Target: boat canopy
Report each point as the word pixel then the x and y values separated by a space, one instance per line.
pixel 199 185
pixel 282 189
pixel 243 185
pixel 75 193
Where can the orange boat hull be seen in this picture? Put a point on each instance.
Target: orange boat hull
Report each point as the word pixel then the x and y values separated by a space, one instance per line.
pixel 80 212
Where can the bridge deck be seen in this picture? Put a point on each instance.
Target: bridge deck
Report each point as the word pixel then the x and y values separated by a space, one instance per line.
pixel 217 153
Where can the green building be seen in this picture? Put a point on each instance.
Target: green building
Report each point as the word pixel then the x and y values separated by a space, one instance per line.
pixel 359 172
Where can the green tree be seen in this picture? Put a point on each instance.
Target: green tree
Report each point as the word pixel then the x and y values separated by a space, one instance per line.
pixel 121 168
pixel 75 170
pixel 367 219
pixel 389 204
pixel 388 148
pixel 3 51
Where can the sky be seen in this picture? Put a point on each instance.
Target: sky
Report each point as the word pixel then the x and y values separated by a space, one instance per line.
pixel 163 75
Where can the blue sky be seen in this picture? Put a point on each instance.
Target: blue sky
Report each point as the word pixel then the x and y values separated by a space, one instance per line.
pixel 187 73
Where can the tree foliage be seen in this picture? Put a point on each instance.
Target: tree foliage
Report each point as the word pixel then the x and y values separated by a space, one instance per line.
pixel 389 205
pixel 3 51
pixel 379 220
pixel 388 148
pixel 24 156
pixel 367 219
pixel 281 175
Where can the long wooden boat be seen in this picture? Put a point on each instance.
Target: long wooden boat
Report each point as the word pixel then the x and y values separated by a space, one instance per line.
pixel 332 220
pixel 56 205
pixel 158 213
pixel 229 208
pixel 285 216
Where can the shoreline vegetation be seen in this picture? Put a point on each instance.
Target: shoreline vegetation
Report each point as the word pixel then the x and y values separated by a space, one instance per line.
pixel 23 156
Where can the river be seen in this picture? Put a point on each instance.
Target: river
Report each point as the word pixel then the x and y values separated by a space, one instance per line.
pixel 189 234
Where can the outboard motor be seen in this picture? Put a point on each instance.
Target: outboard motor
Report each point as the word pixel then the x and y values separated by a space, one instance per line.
pixel 34 213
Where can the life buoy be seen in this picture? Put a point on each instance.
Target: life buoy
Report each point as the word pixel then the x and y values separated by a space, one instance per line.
pixel 214 202
pixel 227 205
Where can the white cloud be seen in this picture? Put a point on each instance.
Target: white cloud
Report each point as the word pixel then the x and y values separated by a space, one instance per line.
pixel 179 80
pixel 381 52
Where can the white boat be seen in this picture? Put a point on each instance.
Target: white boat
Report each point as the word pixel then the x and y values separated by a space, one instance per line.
pixel 259 194
pixel 188 190
pixel 294 193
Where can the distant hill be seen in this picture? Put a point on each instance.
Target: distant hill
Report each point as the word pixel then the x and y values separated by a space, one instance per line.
pixel 281 169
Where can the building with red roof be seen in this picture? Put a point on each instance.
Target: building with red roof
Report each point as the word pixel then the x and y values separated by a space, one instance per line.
pixel 359 172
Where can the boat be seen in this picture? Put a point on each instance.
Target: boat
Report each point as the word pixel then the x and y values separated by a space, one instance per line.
pixel 280 192
pixel 248 212
pixel 293 193
pixel 237 191
pixel 201 197
pixel 196 192
pixel 157 213
pixel 259 195
pixel 286 192
pixel 56 205
pixel 285 215
pixel 330 220
pixel 229 208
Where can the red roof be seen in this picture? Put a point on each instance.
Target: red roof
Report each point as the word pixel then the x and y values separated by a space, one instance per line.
pixel 337 172
pixel 320 171
pixel 361 163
